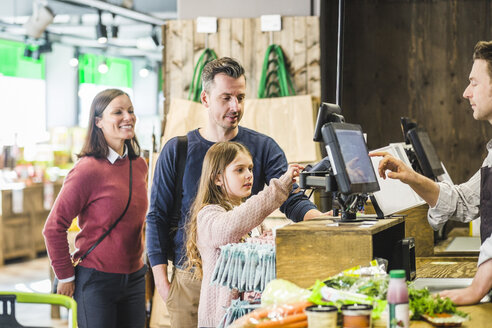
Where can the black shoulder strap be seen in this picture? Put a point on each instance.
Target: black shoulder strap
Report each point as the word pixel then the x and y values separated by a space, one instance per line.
pixel 180 163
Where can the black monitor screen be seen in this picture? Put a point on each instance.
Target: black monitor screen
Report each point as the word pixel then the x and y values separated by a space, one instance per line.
pixel 426 153
pixel 349 156
pixel 326 113
pixel 354 152
pixel 434 161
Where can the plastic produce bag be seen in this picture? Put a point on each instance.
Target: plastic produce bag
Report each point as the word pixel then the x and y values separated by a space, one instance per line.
pixel 279 291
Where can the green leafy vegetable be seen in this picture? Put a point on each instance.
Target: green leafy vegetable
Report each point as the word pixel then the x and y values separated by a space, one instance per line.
pixel 422 302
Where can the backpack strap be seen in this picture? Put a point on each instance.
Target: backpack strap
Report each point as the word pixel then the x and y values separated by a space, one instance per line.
pixel 179 164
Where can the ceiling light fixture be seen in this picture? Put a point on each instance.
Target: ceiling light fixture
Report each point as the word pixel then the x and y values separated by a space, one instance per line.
pixel 154 36
pixel 114 28
pixel 118 10
pixel 145 71
pixel 35 53
pixel 74 61
pixel 27 51
pixel 42 16
pixel 103 67
pixel 101 30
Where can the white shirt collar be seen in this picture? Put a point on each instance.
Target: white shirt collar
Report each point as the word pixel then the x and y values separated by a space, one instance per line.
pixel 113 155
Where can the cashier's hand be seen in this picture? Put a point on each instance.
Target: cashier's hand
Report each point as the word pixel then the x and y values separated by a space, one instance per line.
pixel 398 169
pixel 464 296
pixel 66 288
pixel 480 286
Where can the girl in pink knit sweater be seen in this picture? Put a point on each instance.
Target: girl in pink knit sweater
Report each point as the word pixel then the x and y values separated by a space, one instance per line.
pixel 219 217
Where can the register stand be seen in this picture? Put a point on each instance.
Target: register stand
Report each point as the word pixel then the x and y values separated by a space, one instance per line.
pixel 320 248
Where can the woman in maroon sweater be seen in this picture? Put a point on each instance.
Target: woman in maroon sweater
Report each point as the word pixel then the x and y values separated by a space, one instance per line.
pixel 109 284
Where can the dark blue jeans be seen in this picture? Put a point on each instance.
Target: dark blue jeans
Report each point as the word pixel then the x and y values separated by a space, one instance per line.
pixel 110 300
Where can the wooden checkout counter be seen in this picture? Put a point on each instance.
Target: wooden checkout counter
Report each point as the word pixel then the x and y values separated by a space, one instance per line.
pixel 312 250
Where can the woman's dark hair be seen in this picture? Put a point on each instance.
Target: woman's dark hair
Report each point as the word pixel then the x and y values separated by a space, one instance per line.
pixel 95 144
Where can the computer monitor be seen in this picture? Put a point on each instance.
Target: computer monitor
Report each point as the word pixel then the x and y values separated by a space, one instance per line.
pixel 349 158
pixel 426 153
pixel 326 113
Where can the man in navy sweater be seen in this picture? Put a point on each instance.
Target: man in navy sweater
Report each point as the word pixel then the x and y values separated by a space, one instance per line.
pixel 224 86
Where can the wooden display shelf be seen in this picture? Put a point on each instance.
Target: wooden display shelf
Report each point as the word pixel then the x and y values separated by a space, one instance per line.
pixel 21 233
pixel 311 250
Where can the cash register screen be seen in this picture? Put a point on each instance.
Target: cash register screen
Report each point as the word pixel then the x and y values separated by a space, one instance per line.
pixel 354 152
pixel 426 154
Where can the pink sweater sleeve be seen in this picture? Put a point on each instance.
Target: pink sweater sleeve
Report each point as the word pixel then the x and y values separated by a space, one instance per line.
pixel 71 200
pixel 219 227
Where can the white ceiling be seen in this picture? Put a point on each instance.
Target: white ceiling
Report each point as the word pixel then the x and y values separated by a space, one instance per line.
pixel 75 25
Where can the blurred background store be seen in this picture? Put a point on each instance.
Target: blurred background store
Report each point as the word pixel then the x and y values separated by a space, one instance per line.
pixel 396 60
pixel 55 56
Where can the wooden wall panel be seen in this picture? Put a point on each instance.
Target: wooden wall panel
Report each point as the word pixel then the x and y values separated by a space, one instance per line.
pixel 242 39
pixel 413 58
pixel 313 71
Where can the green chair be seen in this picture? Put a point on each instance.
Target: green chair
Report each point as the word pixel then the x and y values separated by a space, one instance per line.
pixel 8 300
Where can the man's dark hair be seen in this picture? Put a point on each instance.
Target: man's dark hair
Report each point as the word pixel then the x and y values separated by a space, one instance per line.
pixel 225 65
pixel 95 144
pixel 483 50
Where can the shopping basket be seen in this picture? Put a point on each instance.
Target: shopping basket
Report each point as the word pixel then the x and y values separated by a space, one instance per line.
pixel 8 300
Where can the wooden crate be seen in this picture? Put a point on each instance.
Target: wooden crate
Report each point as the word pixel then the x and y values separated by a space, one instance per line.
pixel 17 238
pixel 21 234
pixel 311 250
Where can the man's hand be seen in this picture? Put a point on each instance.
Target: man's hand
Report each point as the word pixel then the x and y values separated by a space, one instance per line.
pixel 67 288
pixel 423 186
pixel 480 286
pixel 463 296
pixel 161 280
pixel 399 170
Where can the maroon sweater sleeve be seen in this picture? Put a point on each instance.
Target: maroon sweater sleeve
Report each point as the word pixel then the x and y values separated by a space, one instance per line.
pixel 72 198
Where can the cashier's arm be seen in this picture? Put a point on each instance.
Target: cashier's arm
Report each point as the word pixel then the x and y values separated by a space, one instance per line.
pixel 480 286
pixel 423 186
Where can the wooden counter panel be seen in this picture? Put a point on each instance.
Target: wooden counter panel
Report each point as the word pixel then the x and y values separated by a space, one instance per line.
pixel 446 267
pixel 314 256
pixel 417 226
pixel 311 250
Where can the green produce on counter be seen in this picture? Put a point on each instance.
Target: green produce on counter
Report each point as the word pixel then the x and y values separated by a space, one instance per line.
pixel 422 302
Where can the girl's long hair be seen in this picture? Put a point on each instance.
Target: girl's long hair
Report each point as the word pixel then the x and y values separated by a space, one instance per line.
pixel 217 158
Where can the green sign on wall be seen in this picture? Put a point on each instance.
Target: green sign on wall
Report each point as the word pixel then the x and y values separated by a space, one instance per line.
pixel 118 75
pixel 13 63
